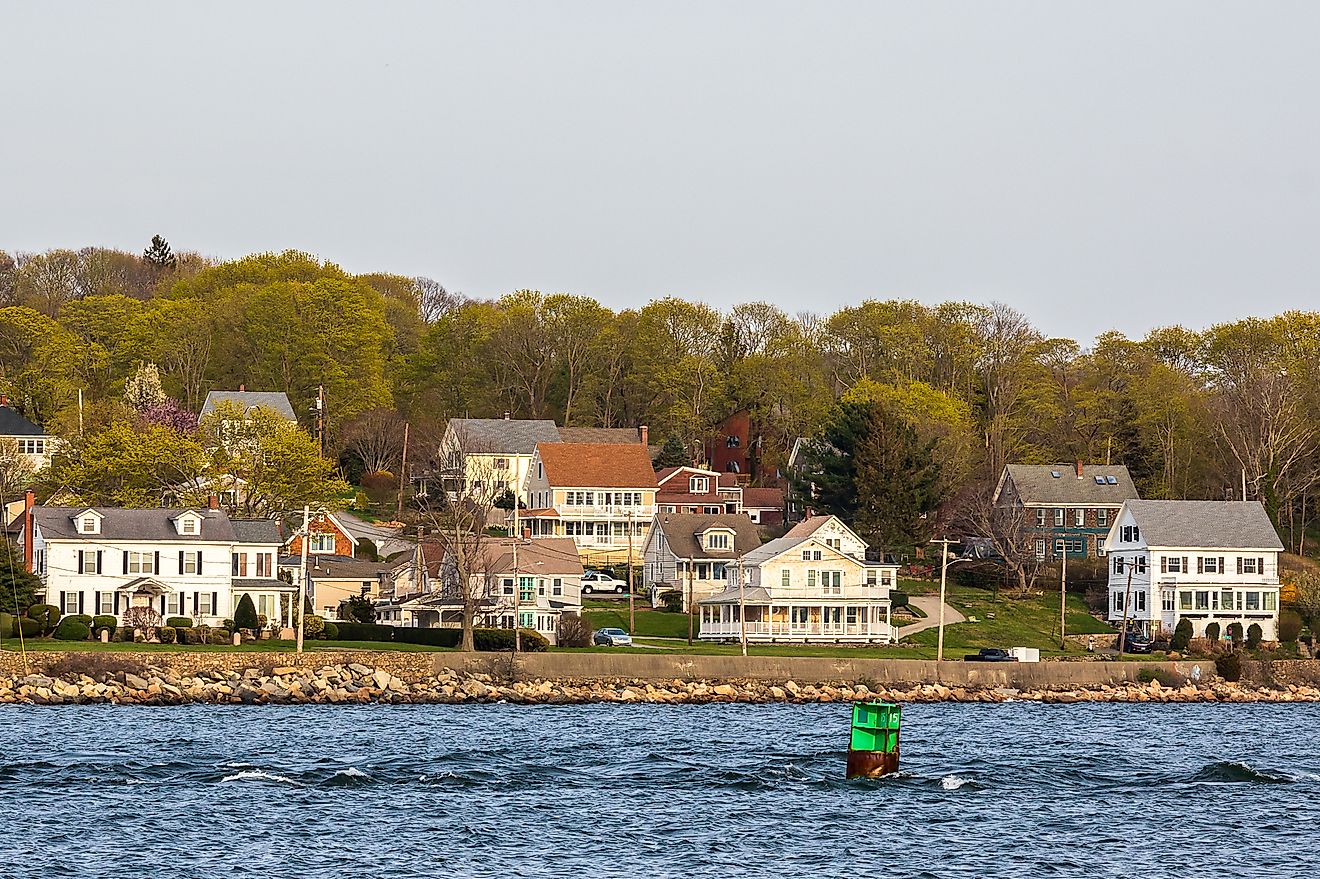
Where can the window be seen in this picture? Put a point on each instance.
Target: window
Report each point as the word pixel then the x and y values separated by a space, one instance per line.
pixel 1226 599
pixel 1166 601
pixel 1102 518
pixel 717 540
pixel 699 484
pixel 811 579
pixel 264 566
pixel 1040 549
pixel 870 578
pixel 1202 600
pixel 1251 565
pixel 1058 517
pixel 321 542
pixel 191 562
pixel 526 589
pixel 1210 565
pixel 89 525
pixel 1141 601
pixel 501 463
pixel 1253 601
pixel 1100 546
pixel 1173 564
pixel 508 585
pixel 107 604
pixel 1040 518
pixel 785 578
pixel 831 582
pixel 1131 534
pixel 204 605
pixel 806 555
pixel 1118 564
pixel 240 564
pixel 557 586
pixel 87 562
pixel 1184 601
pixel 732 442
pixel 171 604
pixel 1079 517
pixel 71 603
pixel 1269 601
pixel 140 563
pixel 32 446
pixel 1139 564
pixel 1118 602
pixel 189 526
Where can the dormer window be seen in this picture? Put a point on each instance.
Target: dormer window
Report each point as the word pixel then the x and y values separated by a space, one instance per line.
pixel 717 540
pixel 321 542
pixel 188 526
pixel 188 523
pixel 89 525
pixel 699 484
pixel 88 522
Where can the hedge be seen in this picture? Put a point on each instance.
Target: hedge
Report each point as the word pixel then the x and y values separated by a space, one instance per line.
pixel 48 615
pixel 167 634
pixel 502 639
pixel 72 629
pixel 429 637
pixel 364 632
pixel 28 628
pixel 179 622
pixel 6 624
pixel 331 632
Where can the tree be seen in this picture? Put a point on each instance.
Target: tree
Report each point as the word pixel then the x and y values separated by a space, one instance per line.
pixel 16 471
pixel 1307 602
pixel 18 586
pixel 1008 526
pixel 673 453
pixel 125 465
pixel 376 439
pixel 433 300
pixel 143 391
pixel 358 609
pixel 245 614
pixel 158 253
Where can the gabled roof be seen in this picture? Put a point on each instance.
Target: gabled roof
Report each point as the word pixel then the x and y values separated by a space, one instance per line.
pixel 256 531
pixel 597 465
pixel 665 474
pixel 763 498
pixel 14 424
pixel 153 524
pixel 1037 484
pixel 616 435
pixel 540 556
pixel 683 534
pixel 807 527
pixel 772 549
pixel 502 436
pixel 276 401
pixel 747 593
pixel 1208 524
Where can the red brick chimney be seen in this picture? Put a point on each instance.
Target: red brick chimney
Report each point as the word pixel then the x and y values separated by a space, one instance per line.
pixel 28 499
pixel 4 399
pixel 645 431
pixel 213 502
pixel 242 388
pixel 1079 468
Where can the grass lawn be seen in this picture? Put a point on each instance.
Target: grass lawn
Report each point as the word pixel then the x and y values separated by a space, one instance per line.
pixel 1017 622
pixel 272 646
pixel 652 623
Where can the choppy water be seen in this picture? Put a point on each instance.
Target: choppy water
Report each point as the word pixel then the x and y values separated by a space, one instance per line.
pixel 600 791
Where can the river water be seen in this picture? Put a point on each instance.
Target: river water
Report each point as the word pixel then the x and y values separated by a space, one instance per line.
pixel 1018 789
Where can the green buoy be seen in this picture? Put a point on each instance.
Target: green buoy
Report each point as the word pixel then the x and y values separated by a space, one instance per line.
pixel 873 749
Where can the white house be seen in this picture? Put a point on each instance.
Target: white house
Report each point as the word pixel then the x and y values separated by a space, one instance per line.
pixel 171 562
pixel 812 585
pixel 1205 561
pixel 693 552
pixel 33 445
pixel 602 495
pixel 484 457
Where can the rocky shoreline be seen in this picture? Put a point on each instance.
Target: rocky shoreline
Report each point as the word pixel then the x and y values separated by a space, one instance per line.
pixel 355 683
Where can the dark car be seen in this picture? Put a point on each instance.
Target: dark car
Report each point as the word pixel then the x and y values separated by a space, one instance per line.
pixel 1135 642
pixel 990 654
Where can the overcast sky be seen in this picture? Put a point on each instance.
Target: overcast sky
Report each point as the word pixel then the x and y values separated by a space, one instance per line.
pixel 1098 165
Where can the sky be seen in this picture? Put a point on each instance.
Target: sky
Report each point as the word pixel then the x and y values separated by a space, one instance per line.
pixel 1117 165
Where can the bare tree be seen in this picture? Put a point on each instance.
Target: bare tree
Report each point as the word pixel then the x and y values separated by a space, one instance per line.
pixel 376 438
pixel 433 300
pixel 1007 524
pixel 1006 341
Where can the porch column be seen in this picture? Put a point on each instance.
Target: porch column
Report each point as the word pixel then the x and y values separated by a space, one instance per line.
pixel 889 622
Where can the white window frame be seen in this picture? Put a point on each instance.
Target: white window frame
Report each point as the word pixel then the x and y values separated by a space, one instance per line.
pixel 1079 517
pixel 107 606
pixel 316 543
pixel 141 562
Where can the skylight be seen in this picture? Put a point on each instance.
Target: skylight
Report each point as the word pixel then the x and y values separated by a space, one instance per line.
pixel 1099 480
pixel 1112 480
pixel 1054 473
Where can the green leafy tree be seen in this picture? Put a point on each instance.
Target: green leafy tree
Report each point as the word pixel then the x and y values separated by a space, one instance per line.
pixel 245 615
pixel 359 610
pixel 125 465
pixel 18 586
pixel 158 253
pixel 672 453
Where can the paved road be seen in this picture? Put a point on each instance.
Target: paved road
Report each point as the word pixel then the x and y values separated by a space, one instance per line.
pixel 930 605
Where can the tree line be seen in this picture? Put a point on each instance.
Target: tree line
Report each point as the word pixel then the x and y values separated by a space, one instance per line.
pixel 1189 411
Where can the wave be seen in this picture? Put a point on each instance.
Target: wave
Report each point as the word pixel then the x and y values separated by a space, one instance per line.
pixel 1235 772
pixel 350 777
pixel 260 775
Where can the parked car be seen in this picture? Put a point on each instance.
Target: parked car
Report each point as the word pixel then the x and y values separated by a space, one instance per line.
pixel 612 638
pixel 595 581
pixel 990 654
pixel 1135 642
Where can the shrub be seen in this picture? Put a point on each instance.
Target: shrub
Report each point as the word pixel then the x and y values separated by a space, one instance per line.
pixel 430 637
pixel 1254 635
pixel 573 631
pixel 671 601
pixel 331 631
pixel 1166 677
pixel 28 628
pixel 1290 626
pixel 218 636
pixel 1212 633
pixel 83 618
pixel 348 631
pixel 6 624
pixel 897 599
pixel 179 622
pixel 48 615
pixel 184 635
pixel 358 609
pixel 313 626
pixel 229 624
pixel 1229 666
pixel 502 639
pixel 245 615
pixel 1182 635
pixel 1235 633
pixel 104 622
pixel 166 634
pixel 72 629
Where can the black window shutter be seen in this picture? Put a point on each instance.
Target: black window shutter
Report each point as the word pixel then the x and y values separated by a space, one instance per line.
pixel 1164 564
pixel 81 596
pixel 1200 564
pixel 1239 561
pixel 162 605
pixel 99 554
pixel 1221 565
pixel 155 567
pixel 1260 565
pixel 96 600
pixel 125 561
pixel 1185 568
pixel 215 601
pixel 116 604
pixel 80 561
pixel 199 561
pixel 61 602
pixel 180 561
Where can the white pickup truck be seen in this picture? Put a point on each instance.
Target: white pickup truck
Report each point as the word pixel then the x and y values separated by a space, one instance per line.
pixel 595 581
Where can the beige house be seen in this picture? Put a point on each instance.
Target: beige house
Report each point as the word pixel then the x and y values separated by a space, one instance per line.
pixel 813 585
pixel 695 553
pixel 482 458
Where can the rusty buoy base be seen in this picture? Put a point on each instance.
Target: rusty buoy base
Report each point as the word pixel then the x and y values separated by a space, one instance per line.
pixel 871 764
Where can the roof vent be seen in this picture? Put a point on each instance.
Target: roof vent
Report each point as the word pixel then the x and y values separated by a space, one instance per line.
pixel 1099 480
pixel 1054 473
pixel 1112 480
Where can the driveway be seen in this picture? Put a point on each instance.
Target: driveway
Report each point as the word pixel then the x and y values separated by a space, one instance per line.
pixel 930 605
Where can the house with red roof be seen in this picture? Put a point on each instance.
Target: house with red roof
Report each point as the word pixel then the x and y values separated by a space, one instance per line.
pixel 602 495
pixel 696 490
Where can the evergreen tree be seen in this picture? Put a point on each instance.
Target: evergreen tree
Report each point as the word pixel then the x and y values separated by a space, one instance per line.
pixel 245 615
pixel 673 453
pixel 18 586
pixel 159 253
pixel 873 471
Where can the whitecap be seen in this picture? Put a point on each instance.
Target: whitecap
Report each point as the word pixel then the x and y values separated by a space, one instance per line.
pixel 353 772
pixel 258 774
pixel 952 782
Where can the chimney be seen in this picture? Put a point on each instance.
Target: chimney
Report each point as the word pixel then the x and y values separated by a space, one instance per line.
pixel 213 502
pixel 645 434
pixel 28 499
pixel 506 416
pixel 1079 468
pixel 242 388
pixel 4 399
pixel 527 533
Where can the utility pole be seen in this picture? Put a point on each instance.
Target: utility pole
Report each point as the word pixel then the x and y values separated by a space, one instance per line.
pixel 403 475
pixel 742 608
pixel 632 611
pixel 1063 595
pixel 689 602
pixel 944 575
pixel 302 576
pixel 517 581
pixel 320 418
pixel 80 412
pixel 1127 596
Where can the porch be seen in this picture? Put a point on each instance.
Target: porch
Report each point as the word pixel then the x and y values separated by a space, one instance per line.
pixel 805 623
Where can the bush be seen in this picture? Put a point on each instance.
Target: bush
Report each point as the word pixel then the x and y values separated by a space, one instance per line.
pixel 166 634
pixel 72 629
pixel 331 631
pixel 179 622
pixel 1166 677
pixel 228 625
pixel 897 599
pixel 1254 635
pixel 6 624
pixel 83 618
pixel 495 640
pixel 364 632
pixel 215 636
pixel 358 609
pixel 1212 633
pixel 671 601
pixel 1290 626
pixel 429 637
pixel 573 631
pixel 97 666
pixel 48 615
pixel 245 615
pixel 28 628
pixel 1235 633
pixel 1229 666
pixel 1182 635
pixel 313 626
pixel 105 621
pixel 185 635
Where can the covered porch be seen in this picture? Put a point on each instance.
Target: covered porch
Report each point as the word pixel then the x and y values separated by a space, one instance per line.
pixel 797 620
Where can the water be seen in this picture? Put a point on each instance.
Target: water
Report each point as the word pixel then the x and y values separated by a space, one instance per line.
pixel 1018 789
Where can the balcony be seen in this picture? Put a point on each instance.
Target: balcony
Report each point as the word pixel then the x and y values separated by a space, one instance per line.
pixel 788 631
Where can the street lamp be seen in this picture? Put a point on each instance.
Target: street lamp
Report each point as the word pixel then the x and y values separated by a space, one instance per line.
pixel 944 576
